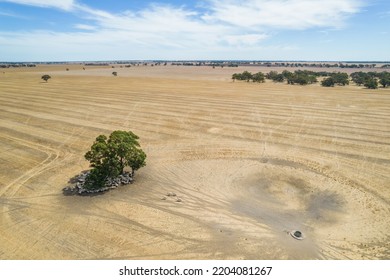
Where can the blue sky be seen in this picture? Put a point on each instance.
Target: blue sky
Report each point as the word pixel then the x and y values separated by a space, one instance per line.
pixel 81 30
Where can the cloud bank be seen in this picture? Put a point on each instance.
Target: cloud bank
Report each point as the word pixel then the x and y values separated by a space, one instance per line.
pixel 161 31
pixel 59 4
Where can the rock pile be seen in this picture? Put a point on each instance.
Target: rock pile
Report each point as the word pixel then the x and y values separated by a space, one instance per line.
pixel 111 183
pixel 172 195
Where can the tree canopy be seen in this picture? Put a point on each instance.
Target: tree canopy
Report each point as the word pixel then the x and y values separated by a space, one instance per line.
pixel 46 77
pixel 248 76
pixel 258 78
pixel 302 78
pixel 328 82
pixel 333 79
pixel 275 76
pixel 384 79
pixel 108 157
pixel 371 83
pixel 370 80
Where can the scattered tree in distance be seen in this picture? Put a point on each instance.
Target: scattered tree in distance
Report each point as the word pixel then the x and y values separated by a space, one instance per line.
pixel 46 77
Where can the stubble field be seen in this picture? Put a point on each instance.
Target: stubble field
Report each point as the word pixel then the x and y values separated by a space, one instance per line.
pixel 250 162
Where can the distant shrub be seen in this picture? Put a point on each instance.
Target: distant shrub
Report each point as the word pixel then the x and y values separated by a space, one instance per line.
pixel 46 77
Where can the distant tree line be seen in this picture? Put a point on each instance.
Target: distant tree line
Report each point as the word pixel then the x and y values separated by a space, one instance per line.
pixel 313 65
pixel 300 77
pixel 97 64
pixel 297 77
pixel 17 65
pixel 370 80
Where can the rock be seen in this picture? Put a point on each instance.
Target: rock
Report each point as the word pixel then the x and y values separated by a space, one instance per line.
pixel 110 183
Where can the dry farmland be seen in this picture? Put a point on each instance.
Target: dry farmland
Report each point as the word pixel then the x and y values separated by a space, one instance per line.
pixel 250 162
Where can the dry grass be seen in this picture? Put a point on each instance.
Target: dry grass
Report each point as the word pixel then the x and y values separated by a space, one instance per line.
pixel 250 163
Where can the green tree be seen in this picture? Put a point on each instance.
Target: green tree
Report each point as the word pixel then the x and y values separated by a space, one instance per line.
pixel 236 76
pixel 271 75
pixel 45 78
pixel 274 76
pixel 246 76
pixel 328 82
pixel 340 79
pixel 384 79
pixel 359 78
pixel 385 82
pixel 258 78
pixel 371 83
pixel 287 74
pixel 300 77
pixel 109 157
pixel 279 78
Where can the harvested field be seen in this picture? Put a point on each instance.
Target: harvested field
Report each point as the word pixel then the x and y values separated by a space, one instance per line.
pixel 249 162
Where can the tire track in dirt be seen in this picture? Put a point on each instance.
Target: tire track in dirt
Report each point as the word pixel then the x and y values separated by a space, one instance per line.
pixel 52 155
pixel 200 138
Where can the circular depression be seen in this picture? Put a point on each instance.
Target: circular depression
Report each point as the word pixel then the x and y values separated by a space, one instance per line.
pixel 264 199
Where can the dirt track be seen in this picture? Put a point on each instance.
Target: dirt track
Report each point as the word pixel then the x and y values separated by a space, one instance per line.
pixel 250 162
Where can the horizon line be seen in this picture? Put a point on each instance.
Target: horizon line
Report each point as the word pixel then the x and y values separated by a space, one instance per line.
pixel 193 60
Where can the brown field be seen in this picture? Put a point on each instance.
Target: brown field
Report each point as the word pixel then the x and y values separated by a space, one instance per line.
pixel 250 162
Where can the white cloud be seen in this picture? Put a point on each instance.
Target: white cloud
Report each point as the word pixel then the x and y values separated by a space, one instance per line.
pixel 11 14
pixel 164 32
pixel 245 40
pixel 158 26
pixel 85 27
pixel 60 4
pixel 286 14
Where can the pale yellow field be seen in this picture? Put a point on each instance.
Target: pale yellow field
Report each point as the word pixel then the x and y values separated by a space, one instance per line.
pixel 250 162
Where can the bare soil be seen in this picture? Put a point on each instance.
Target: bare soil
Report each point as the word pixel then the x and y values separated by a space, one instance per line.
pixel 249 162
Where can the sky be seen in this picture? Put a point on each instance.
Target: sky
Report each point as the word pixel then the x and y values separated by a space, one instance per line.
pixel 86 30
